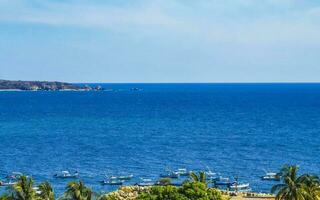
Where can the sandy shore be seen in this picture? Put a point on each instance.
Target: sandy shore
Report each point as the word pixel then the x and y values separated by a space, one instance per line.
pixel 251 196
pixel 239 197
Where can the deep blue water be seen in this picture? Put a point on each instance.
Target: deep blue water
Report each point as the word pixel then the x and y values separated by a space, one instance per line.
pixel 235 129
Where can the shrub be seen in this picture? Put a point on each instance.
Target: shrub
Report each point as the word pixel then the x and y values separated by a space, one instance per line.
pixel 215 194
pixel 189 191
pixel 194 190
pixel 162 193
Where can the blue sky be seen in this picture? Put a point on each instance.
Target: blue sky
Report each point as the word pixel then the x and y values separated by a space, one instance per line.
pixel 160 40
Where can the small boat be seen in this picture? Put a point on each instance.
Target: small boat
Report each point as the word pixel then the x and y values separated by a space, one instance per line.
pixel 146 179
pixel 112 182
pixel 125 177
pixel 236 186
pixel 14 175
pixel 4 184
pixel 211 176
pixel 145 182
pixel 66 174
pixel 182 172
pixel 112 177
pixel 170 174
pixel 210 173
pixel 222 181
pixel 135 89
pixel 271 176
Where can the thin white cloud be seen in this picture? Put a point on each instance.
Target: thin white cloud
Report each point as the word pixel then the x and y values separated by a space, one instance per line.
pixel 240 21
pixel 85 15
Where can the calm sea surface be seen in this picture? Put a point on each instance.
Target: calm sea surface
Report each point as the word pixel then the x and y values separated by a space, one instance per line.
pixel 235 129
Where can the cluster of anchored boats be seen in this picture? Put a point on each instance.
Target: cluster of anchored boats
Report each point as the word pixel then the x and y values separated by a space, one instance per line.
pixel 11 179
pixel 177 176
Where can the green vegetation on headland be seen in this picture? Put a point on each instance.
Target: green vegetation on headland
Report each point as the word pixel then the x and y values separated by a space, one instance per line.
pixel 292 187
pixel 43 85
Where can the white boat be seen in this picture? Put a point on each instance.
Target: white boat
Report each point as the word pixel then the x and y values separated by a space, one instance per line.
pixel 222 181
pixel 66 174
pixel 182 172
pixel 210 175
pixel 112 182
pixel 271 176
pixel 4 184
pixel 145 182
pixel 242 186
pixel 112 177
pixel 170 174
pixel 125 178
pixel 14 175
pixel 128 177
pixel 146 179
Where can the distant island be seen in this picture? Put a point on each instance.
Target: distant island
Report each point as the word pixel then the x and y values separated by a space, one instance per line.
pixel 45 86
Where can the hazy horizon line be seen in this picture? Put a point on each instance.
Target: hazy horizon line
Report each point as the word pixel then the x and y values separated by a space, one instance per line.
pixel 195 82
pixel 213 82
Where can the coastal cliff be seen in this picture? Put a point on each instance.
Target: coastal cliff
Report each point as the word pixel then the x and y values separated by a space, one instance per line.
pixel 43 85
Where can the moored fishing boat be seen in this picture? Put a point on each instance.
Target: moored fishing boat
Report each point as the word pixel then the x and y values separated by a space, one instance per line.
pixel 112 177
pixel 210 175
pixel 67 174
pixel 14 175
pixel 238 187
pixel 271 176
pixel 127 177
pixel 145 182
pixel 112 182
pixel 222 181
pixel 209 172
pixel 123 177
pixel 4 184
pixel 182 172
pixel 170 174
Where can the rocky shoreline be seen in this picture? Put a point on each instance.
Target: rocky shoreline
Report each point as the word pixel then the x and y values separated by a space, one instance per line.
pixel 8 85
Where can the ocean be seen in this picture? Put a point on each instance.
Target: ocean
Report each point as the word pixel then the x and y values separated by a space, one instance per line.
pixel 238 130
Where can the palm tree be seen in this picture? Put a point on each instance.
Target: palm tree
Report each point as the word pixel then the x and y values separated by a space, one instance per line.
pixel 6 197
pixel 78 191
pixel 23 189
pixel 293 187
pixel 46 191
pixel 201 178
pixel 312 186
